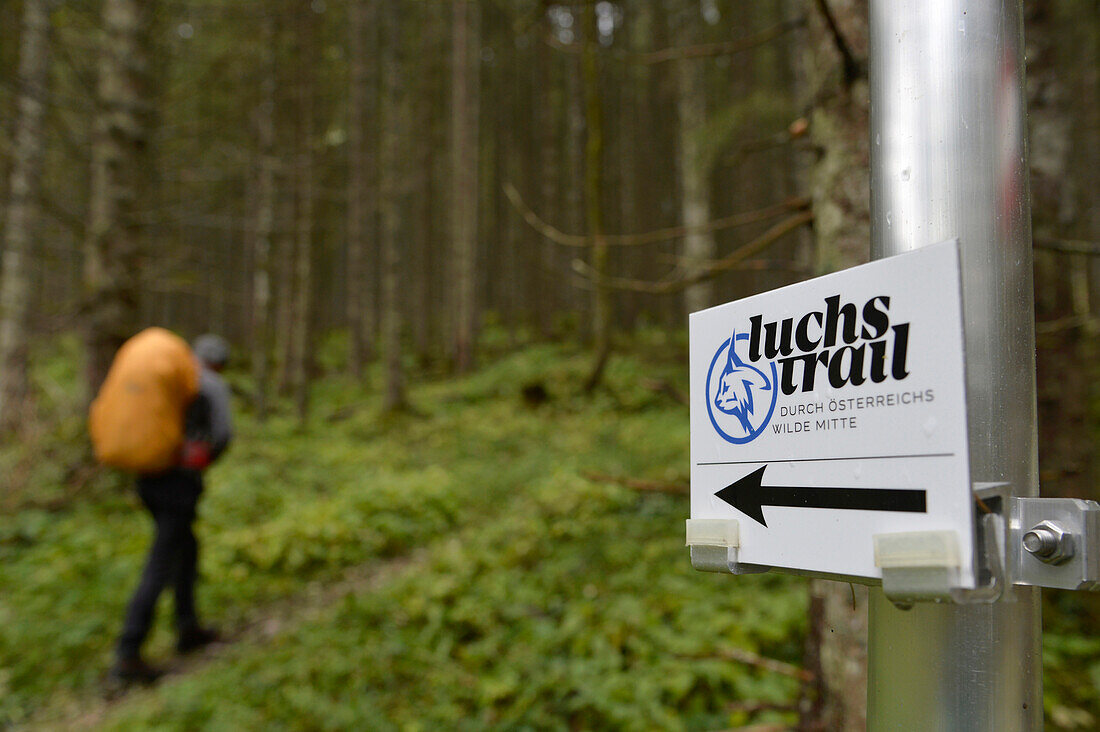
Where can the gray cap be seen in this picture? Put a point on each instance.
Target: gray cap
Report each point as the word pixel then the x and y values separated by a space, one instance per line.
pixel 212 350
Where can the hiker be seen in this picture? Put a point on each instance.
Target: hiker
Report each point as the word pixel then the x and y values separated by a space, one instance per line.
pixel 171 496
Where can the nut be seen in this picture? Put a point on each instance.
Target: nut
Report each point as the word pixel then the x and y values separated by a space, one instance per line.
pixel 1048 542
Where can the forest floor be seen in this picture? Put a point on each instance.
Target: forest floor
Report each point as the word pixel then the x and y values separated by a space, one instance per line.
pixel 474 564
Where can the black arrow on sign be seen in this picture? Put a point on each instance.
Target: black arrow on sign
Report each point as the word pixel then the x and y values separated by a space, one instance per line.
pixel 749 497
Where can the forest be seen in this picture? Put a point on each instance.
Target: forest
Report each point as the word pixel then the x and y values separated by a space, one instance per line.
pixel 453 245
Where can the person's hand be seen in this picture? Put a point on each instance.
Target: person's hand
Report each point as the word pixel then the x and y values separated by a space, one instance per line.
pixel 195 455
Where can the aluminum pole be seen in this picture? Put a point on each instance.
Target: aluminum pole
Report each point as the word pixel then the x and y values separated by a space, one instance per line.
pixel 948 159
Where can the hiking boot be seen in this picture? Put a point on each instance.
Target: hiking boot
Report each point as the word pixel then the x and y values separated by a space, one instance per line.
pixel 134 670
pixel 196 637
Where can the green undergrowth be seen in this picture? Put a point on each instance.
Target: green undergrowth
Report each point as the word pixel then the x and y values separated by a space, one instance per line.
pixel 573 608
pixel 474 473
pixel 512 586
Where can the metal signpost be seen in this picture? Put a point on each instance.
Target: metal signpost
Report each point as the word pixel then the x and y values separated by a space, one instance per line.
pixel 879 424
pixel 948 160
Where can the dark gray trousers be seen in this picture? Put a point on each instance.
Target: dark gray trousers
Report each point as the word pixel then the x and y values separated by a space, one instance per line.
pixel 171 498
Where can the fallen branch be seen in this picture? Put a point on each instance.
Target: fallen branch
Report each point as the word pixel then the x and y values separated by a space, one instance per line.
pixel 739 655
pixel 649 486
pixel 706 272
pixel 558 236
pixel 755 707
pixel 666 387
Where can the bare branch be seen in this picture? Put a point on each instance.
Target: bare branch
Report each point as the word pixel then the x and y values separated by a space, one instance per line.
pixel 794 131
pixel 62 215
pixel 558 236
pixel 546 230
pixel 704 50
pixel 728 222
pixel 852 68
pixel 726 48
pixel 1046 327
pixel 1068 246
pixel 751 265
pixel 731 261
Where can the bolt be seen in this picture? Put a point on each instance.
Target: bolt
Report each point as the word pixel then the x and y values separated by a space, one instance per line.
pixel 1049 542
pixel 1040 542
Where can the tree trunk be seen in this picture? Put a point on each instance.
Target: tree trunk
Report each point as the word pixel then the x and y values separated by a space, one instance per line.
pixel 119 157
pixel 394 105
pixel 840 190
pixel 265 220
pixel 301 318
pixel 699 247
pixel 363 37
pixel 464 177
pixel 593 191
pixel 573 185
pixel 839 180
pixel 1086 135
pixel 544 159
pixel 284 273
pixel 22 217
pixel 424 110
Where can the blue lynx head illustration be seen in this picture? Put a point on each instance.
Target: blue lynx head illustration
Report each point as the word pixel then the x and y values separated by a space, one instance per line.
pixel 734 392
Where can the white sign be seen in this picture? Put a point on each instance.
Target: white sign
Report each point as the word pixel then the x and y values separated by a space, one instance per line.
pixel 830 411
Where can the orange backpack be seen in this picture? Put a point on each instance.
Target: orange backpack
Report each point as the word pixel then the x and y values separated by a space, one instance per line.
pixel 136 421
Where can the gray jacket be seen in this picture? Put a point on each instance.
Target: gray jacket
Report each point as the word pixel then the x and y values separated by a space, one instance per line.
pixel 208 417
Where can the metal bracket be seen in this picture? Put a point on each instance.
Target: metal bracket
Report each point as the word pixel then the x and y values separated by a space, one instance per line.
pixel 1054 542
pixel 923 566
pixel 714 545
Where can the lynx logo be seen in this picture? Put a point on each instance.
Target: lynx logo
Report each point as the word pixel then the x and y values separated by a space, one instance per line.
pixel 740 397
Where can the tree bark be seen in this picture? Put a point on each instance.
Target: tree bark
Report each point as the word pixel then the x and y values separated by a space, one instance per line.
pixel 264 119
pixel 21 222
pixel 363 38
pixel 464 179
pixel 839 180
pixel 546 152
pixel 573 173
pixel 285 240
pixel 119 157
pixel 431 19
pixel 301 319
pixel 698 247
pixel 394 105
pixel 840 192
pixel 1055 101
pixel 593 191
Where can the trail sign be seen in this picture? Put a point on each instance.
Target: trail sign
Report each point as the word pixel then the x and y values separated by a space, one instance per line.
pixel 831 411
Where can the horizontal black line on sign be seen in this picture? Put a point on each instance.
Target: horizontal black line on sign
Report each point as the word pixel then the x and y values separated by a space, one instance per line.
pixel 828 459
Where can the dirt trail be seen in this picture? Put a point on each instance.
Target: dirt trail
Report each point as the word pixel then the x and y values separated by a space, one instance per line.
pixel 265 624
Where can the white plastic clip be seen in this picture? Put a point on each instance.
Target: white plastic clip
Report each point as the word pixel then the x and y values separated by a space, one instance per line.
pixel 713 532
pixel 918 565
